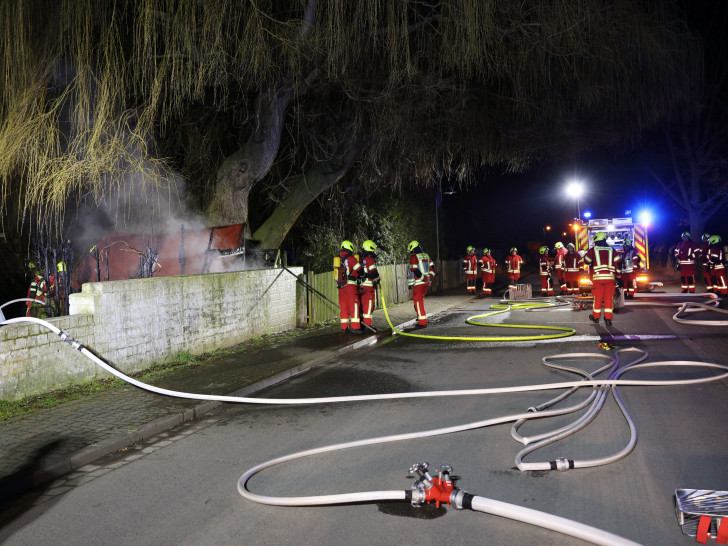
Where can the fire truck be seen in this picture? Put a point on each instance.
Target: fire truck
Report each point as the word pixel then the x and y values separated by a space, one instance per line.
pixel 618 231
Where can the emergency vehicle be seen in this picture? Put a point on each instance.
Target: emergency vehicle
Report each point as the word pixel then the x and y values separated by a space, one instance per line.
pixel 618 231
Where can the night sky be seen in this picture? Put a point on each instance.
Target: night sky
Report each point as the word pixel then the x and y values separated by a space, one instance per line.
pixel 512 210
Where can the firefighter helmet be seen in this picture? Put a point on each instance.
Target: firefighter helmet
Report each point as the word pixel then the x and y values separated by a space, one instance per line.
pixel 347 245
pixel 543 250
pixel 600 236
pixel 571 245
pixel 559 245
pixel 685 234
pixel 469 249
pixel 413 245
pixel 31 265
pixel 513 249
pixel 715 240
pixel 369 246
pixel 486 251
pixel 706 237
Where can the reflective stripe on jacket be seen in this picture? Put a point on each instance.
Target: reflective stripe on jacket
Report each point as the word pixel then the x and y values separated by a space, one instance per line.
pixel 603 261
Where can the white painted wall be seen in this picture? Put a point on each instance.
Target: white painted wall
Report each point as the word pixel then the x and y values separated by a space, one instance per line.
pixel 133 323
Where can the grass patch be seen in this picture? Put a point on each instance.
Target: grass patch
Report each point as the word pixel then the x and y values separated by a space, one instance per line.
pixel 34 403
pixel 185 359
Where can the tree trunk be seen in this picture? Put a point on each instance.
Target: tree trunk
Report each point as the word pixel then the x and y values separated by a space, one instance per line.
pixel 243 169
pixel 305 188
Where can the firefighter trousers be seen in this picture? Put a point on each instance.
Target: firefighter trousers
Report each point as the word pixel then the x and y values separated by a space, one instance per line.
pixel 349 304
pixel 418 298
pixel 603 291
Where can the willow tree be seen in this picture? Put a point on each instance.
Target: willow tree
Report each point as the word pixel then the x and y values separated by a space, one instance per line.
pixel 103 98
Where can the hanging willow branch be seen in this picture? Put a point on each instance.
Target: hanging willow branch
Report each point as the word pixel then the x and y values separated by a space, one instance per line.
pixel 93 89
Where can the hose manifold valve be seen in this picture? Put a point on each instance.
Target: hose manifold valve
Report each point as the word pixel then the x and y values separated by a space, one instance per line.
pixel 427 489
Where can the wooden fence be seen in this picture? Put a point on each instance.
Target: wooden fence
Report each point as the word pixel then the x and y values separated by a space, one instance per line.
pixel 393 284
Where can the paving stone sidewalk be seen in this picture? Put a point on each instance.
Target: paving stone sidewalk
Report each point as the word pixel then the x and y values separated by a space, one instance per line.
pixel 41 446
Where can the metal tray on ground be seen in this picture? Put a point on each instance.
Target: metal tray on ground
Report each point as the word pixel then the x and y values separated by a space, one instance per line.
pixel 690 504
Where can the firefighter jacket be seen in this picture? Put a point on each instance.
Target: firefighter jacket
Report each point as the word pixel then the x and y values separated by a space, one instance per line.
pixel 559 261
pixel 630 261
pixel 572 262
pixel 487 264
pixel 37 289
pixel 513 263
pixel 349 270
pixel 715 258
pixel 470 265
pixel 420 270
pixel 704 251
pixel 369 273
pixel 603 260
pixel 544 266
pixel 686 252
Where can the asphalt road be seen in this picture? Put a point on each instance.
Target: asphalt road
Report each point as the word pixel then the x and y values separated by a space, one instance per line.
pixel 181 487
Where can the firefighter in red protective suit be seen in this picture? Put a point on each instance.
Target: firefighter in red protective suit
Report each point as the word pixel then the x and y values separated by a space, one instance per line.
pixel 630 267
pixel 36 291
pixel 572 269
pixel 419 279
pixel 470 267
pixel 686 253
pixel 716 266
pixel 703 258
pixel 369 282
pixel 559 266
pixel 487 272
pixel 346 281
pixel 513 263
pixel 603 260
pixel 544 271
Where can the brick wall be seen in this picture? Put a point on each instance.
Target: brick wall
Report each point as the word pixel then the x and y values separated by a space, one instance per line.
pixel 136 322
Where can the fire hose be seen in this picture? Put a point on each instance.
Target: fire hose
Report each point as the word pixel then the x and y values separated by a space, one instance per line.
pixel 428 489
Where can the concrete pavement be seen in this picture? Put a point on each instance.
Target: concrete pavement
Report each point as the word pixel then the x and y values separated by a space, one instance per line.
pixel 44 445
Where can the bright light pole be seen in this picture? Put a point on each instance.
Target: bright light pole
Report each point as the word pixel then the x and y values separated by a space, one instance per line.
pixel 576 189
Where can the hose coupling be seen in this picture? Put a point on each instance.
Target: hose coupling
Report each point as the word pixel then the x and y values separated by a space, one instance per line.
pixel 531 410
pixel 418 495
pixel 562 464
pixel 65 336
pixel 457 497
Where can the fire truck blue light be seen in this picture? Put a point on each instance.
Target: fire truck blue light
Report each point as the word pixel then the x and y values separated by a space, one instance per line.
pixel 645 217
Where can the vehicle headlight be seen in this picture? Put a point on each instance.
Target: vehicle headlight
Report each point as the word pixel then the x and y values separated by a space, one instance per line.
pixel 642 278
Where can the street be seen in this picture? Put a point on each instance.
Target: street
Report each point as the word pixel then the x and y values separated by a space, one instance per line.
pixel 181 487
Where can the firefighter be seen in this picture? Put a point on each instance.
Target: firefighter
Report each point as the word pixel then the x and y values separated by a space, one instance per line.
pixel 559 266
pixel 346 281
pixel 704 246
pixel 470 267
pixel 685 253
pixel 513 263
pixel 716 266
pixel 419 280
pixel 544 270
pixel 572 268
pixel 630 267
pixel 602 259
pixel 369 283
pixel 61 286
pixel 487 272
pixel 36 291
